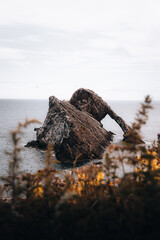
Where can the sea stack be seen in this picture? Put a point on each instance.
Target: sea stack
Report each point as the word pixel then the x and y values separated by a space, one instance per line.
pixel 73 127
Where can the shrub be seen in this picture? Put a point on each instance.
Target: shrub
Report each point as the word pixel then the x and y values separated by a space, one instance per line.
pixel 91 202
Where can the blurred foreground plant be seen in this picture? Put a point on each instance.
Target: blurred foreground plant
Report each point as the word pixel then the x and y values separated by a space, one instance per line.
pixel 89 202
pixel 13 179
pixel 132 150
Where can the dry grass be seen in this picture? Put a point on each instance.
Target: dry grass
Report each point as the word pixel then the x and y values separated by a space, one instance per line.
pixel 91 202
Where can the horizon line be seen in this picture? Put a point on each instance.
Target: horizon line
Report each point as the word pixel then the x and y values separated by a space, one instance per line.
pixel 41 99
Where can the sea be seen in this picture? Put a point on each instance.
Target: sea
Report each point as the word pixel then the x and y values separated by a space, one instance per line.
pixel 14 111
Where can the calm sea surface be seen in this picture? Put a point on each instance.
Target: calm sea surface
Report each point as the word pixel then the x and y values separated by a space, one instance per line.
pixel 14 111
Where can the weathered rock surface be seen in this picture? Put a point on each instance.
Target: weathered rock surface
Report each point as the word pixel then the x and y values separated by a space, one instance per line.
pixel 88 101
pixel 73 134
pixel 73 128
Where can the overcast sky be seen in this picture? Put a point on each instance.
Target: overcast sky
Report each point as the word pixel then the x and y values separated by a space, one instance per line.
pixel 53 47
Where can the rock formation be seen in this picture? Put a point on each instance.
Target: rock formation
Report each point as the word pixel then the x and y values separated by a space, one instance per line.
pixel 73 127
pixel 88 101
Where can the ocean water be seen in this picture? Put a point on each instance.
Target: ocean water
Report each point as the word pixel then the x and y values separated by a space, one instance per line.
pixel 14 111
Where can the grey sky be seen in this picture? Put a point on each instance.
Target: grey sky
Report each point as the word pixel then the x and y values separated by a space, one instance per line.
pixel 53 47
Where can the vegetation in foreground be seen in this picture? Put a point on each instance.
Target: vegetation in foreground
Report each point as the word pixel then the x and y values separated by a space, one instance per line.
pixel 91 202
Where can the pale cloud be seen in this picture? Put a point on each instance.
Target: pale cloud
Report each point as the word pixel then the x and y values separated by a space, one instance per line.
pixel 109 46
pixel 11 54
pixel 32 38
pixel 104 43
pixel 80 15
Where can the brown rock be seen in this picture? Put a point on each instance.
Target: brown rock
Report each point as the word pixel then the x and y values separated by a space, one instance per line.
pixel 73 128
pixel 88 101
pixel 74 135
